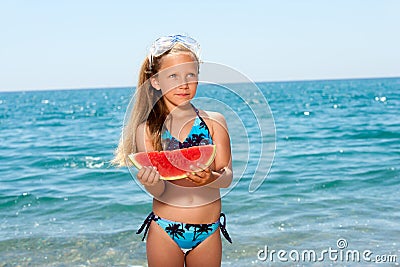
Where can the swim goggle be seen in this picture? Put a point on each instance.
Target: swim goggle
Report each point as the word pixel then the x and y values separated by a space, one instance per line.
pixel 166 43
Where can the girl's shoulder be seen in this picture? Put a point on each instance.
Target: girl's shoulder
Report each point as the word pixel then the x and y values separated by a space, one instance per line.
pixel 212 117
pixel 143 138
pixel 211 114
pixel 142 128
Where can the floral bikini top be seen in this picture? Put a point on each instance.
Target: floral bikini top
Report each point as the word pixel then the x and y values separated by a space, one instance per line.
pixel 199 136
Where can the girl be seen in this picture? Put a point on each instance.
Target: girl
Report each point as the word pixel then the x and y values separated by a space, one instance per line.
pixel 183 227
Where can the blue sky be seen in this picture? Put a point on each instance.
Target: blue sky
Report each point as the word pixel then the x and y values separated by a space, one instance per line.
pixel 83 44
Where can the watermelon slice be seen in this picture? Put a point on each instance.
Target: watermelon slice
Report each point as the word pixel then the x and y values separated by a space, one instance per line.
pixel 174 164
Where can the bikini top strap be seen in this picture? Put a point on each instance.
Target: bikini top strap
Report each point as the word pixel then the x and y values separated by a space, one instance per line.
pixel 195 109
pixel 198 115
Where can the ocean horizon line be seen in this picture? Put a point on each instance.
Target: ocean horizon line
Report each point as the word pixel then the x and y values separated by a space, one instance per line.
pixel 223 83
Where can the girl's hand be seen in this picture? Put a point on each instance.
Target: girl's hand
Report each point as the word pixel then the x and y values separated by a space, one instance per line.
pixel 201 177
pixel 148 176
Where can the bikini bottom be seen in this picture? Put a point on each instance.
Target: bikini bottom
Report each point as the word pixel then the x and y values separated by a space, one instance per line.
pixel 186 235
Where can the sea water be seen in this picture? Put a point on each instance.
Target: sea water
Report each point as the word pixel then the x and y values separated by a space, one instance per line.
pixel 334 181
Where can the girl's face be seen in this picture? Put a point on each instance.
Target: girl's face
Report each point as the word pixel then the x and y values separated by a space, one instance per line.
pixel 177 79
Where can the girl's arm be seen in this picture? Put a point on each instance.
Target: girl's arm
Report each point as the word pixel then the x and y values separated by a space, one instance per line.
pixel 148 176
pixel 222 176
pixel 223 159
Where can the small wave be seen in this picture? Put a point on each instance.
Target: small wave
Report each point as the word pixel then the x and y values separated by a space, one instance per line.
pixel 117 249
pixel 94 162
pixel 373 134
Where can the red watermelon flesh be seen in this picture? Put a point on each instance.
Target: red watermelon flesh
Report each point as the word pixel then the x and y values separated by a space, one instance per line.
pixel 174 164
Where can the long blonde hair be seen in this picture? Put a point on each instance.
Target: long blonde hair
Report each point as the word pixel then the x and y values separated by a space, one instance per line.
pixel 149 107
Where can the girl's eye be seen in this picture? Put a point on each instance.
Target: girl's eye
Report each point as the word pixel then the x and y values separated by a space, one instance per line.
pixel 172 76
pixel 191 75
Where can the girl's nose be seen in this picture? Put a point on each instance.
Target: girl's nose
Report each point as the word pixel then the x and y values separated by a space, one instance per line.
pixel 184 83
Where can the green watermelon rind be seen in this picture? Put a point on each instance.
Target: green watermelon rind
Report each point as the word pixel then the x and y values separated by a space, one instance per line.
pixel 171 178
